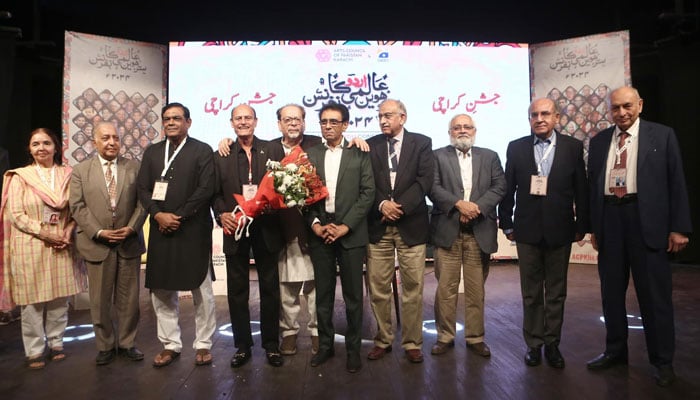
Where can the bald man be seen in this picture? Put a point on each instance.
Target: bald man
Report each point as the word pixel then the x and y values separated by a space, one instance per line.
pixel 639 214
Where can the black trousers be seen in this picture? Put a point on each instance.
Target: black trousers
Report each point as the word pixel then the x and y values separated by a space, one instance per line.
pixel 327 258
pixel 543 274
pixel 622 250
pixel 238 282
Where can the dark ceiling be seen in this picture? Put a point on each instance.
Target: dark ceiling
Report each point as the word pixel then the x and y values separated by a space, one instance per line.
pixel 42 22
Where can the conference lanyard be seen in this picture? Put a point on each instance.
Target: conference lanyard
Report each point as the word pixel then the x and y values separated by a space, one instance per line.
pixel 166 162
pixel 544 158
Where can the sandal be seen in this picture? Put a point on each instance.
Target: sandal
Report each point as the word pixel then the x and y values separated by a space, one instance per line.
pixel 57 355
pixel 203 357
pixel 36 362
pixel 165 358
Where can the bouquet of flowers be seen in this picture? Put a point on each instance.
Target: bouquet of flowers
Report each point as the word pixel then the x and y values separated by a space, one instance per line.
pixel 292 182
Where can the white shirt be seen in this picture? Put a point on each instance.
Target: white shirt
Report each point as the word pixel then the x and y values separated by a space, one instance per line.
pixel 331 164
pixel 631 163
pixel 465 171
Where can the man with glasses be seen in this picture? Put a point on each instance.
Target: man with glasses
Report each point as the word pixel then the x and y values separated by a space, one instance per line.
pixel 546 178
pixel 296 272
pixel 295 269
pixel 469 184
pixel 241 173
pixel 402 163
pixel 339 226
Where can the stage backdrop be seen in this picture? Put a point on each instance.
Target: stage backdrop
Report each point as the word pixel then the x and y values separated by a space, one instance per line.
pixel 110 79
pixel 578 74
pixel 435 80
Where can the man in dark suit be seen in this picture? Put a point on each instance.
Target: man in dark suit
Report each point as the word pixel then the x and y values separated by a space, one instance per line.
pixel 339 225
pixel 639 214
pixel 469 183
pixel 241 173
pixel 402 163
pixel 296 271
pixel 104 204
pixel 175 186
pixel 546 178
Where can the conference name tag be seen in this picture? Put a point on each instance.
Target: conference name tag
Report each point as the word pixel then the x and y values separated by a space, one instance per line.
pixel 249 191
pixel 538 185
pixel 159 190
pixel 618 177
pixel 51 215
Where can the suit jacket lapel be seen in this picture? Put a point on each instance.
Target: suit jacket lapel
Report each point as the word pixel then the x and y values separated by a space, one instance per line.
pixel 121 173
pixel 98 176
pixel 477 160
pixel 344 161
pixel 645 142
pixel 453 162
pixel 406 146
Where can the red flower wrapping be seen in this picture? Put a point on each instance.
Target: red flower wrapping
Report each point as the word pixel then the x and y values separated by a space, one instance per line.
pixel 267 196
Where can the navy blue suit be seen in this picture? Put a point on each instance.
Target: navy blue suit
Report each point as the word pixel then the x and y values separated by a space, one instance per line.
pixel 634 237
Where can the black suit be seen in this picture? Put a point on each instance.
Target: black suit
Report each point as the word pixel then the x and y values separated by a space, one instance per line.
pixel 407 236
pixel 414 179
pixel 634 236
pixel 544 227
pixel 353 198
pixel 265 240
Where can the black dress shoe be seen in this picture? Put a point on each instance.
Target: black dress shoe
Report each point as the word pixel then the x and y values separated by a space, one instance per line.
pixel 553 356
pixel 353 363
pixel 132 353
pixel 240 358
pixel 321 357
pixel 105 357
pixel 533 357
pixel 664 375
pixel 274 358
pixel 606 360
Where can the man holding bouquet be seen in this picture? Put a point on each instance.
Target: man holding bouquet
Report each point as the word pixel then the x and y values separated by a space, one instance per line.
pixel 339 226
pixel 241 173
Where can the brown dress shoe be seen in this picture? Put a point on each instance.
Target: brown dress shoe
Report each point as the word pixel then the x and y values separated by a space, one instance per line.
pixel 288 347
pixel 414 355
pixel 314 344
pixel 378 352
pixel 480 348
pixel 441 347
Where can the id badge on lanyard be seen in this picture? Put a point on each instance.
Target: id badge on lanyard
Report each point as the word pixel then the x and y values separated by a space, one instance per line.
pixel 51 216
pixel 538 185
pixel 160 189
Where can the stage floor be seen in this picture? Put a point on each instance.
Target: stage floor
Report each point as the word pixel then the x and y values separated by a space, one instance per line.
pixel 459 374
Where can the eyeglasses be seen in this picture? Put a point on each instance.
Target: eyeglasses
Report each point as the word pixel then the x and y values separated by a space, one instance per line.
pixel 331 122
pixel 291 120
pixel 176 118
pixel 460 127
pixel 388 115
pixel 543 114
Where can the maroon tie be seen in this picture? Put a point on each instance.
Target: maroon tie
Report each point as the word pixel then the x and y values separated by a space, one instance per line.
pixel 621 191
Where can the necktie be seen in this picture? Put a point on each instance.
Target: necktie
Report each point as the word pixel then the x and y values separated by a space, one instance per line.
pixel 621 191
pixel 111 184
pixel 392 154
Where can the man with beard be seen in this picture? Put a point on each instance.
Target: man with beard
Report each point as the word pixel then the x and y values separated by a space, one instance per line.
pixel 469 183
